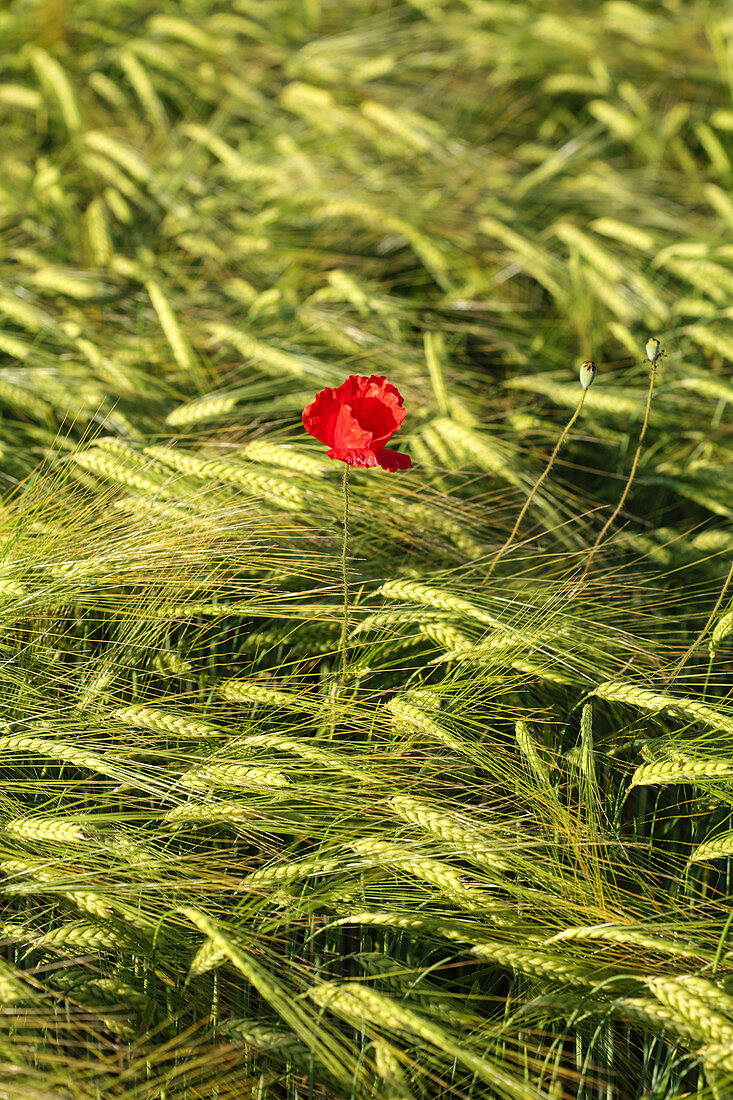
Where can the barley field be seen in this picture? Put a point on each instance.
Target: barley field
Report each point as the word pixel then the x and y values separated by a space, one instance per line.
pixel 474 843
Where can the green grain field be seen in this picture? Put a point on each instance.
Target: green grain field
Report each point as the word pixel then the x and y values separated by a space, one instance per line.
pixel 490 857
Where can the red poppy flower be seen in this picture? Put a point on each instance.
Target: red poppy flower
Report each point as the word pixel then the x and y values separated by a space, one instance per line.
pixel 356 419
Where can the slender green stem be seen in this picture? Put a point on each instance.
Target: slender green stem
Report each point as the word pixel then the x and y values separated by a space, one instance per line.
pixel 683 660
pixel 708 674
pixel 537 484
pixel 345 573
pixel 630 478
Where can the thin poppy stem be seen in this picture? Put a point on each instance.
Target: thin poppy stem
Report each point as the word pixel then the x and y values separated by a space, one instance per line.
pixel 683 661
pixel 537 485
pixel 345 573
pixel 629 480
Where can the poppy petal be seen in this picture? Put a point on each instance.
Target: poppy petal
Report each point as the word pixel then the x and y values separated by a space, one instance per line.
pixel 363 456
pixel 319 418
pixel 360 385
pixel 392 460
pixel 356 419
pixel 381 419
pixel 375 402
pixel 349 433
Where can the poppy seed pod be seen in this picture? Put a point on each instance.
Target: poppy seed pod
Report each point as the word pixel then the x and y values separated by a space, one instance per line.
pixel 653 349
pixel 587 374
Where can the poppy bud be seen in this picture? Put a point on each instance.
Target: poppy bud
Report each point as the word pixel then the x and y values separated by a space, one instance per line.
pixel 587 374
pixel 653 349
